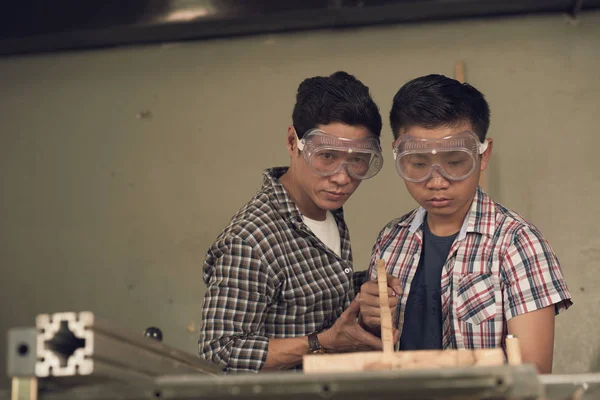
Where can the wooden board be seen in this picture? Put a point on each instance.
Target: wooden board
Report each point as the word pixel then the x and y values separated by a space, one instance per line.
pixel 460 75
pixel 422 359
pixel 388 359
pixel 387 336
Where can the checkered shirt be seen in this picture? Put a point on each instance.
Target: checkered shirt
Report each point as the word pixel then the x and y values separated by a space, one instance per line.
pixel 269 276
pixel 499 266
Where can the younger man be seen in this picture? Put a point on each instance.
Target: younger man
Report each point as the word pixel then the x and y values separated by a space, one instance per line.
pixel 469 270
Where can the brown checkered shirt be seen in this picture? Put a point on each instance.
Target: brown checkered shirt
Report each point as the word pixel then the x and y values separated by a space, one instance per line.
pixel 269 276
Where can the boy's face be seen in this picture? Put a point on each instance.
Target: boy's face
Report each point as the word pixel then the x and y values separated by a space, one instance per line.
pixel 439 196
pixel 316 194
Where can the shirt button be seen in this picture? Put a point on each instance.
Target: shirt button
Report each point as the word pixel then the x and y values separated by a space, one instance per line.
pixel 299 219
pixel 347 270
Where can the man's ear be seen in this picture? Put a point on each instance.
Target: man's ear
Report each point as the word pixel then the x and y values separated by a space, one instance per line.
pixel 485 157
pixel 291 140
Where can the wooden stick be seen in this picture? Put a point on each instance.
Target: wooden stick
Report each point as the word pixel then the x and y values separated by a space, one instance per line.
pixel 459 71
pixel 513 350
pixel 387 336
pixel 460 75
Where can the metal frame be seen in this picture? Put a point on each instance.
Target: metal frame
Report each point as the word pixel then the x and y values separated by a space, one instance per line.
pixel 78 356
pixel 514 382
pixel 79 344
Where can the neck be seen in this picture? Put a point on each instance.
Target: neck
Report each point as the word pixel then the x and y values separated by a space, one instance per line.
pixel 442 225
pixel 304 203
pixel 448 225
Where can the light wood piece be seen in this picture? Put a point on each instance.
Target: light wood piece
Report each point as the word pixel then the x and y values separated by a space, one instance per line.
pixel 513 350
pixel 385 314
pixel 422 359
pixel 460 75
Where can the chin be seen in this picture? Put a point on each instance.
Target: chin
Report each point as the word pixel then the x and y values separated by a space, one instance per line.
pixel 441 212
pixel 331 205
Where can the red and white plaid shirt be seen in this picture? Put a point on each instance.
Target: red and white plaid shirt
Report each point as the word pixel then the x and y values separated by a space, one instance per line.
pixel 499 266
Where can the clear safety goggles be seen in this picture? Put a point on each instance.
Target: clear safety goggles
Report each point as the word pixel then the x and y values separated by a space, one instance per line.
pixel 327 155
pixel 454 157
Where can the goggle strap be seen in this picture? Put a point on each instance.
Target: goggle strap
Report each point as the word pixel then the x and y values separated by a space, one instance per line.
pixel 300 142
pixel 483 146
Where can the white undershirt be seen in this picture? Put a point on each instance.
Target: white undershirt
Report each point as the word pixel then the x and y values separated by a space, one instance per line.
pixel 327 231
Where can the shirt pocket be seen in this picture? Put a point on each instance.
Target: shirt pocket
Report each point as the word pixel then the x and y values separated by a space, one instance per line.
pixel 476 297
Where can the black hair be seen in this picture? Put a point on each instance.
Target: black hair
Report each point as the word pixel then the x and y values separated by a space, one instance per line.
pixel 435 101
pixel 339 97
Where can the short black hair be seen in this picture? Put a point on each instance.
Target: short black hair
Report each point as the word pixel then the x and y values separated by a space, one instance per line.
pixel 339 97
pixel 435 101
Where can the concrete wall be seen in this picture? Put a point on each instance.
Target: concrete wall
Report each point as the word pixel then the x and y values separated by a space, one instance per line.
pixel 119 167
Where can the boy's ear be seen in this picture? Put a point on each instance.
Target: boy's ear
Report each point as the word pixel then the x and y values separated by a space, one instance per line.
pixel 485 157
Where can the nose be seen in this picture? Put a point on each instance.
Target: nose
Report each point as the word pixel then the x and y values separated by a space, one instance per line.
pixel 341 178
pixel 437 181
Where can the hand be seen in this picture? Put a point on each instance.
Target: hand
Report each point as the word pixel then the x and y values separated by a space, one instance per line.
pixel 369 302
pixel 347 335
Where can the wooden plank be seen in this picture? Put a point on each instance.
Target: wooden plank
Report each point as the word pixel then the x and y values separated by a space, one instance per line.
pixel 460 75
pixel 387 336
pixel 422 359
pixel 513 350
pixel 459 71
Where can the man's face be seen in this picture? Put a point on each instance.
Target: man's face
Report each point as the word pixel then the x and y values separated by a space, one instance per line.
pixel 316 194
pixel 439 196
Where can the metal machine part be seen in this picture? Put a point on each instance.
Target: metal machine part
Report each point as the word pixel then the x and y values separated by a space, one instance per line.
pixel 21 352
pixel 76 356
pixel 73 344
pixel 514 382
pixel 506 382
pixel 572 387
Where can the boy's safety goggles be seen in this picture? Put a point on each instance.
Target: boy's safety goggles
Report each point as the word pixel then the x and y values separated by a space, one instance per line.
pixel 327 154
pixel 454 157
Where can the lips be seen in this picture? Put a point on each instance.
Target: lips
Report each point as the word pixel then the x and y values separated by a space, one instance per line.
pixel 335 195
pixel 439 201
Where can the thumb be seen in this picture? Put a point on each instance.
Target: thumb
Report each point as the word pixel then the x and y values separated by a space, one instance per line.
pixel 395 284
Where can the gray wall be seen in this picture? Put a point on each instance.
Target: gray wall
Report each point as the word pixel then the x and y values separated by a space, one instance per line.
pixel 119 167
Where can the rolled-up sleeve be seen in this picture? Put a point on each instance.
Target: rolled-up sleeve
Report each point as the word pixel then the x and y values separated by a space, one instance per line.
pixel 532 275
pixel 240 288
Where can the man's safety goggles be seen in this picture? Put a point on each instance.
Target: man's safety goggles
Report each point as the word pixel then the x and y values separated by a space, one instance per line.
pixel 327 155
pixel 454 157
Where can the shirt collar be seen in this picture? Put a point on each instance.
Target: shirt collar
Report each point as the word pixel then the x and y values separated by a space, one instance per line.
pixel 285 204
pixel 480 218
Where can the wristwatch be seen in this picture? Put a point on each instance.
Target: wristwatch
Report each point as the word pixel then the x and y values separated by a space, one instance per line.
pixel 314 346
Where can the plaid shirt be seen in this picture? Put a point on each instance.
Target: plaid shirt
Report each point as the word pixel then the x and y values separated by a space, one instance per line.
pixel 269 276
pixel 499 266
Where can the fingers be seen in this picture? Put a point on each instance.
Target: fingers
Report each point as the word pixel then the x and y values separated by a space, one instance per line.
pixel 395 284
pixel 396 335
pixel 368 300
pixel 370 296
pixel 371 311
pixel 372 288
pixel 367 340
pixel 369 317
pixel 369 306
pixel 353 309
